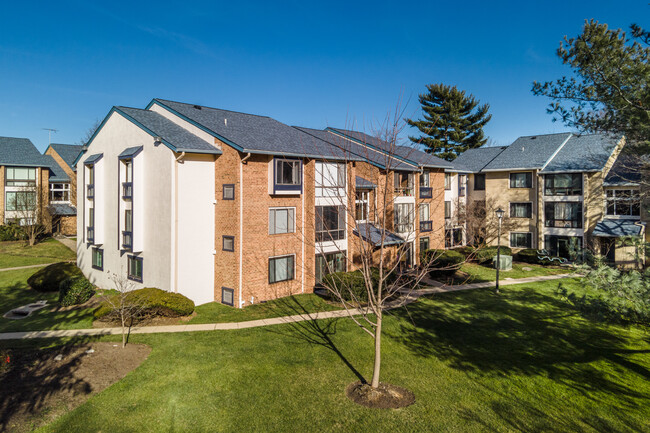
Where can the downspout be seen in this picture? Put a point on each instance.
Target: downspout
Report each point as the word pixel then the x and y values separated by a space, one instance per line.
pixel 178 159
pixel 241 226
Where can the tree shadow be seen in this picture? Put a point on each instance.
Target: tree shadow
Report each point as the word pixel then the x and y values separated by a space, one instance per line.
pixel 521 332
pixel 314 332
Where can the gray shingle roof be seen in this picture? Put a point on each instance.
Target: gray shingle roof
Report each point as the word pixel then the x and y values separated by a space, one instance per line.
pixel 57 174
pixel 530 152
pixel 62 209
pixel 357 151
pixel 179 138
pixel 409 153
pixel 93 158
pixel 21 152
pixel 618 227
pixel 363 183
pixel 68 152
pixel 583 153
pixel 625 171
pixel 473 160
pixel 130 152
pixel 372 235
pixel 253 133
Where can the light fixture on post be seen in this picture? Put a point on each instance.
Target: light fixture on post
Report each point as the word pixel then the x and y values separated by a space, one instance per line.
pixel 500 213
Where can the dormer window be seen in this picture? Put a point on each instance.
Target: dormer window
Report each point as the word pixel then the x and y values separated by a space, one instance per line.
pixel 127 185
pixel 287 176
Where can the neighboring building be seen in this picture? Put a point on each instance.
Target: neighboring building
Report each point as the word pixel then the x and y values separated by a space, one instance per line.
pixel 63 188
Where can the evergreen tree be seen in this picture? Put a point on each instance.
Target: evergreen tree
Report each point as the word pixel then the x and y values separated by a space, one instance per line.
pixel 453 122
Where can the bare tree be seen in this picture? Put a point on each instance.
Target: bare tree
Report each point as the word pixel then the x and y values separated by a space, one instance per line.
pixel 124 305
pixel 25 205
pixel 89 133
pixel 477 216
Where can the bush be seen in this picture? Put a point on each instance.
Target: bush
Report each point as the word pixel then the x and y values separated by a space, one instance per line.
pixel 75 291
pixel 467 250
pixel 445 262
pixel 49 278
pixel 352 285
pixel 530 255
pixel 11 232
pixel 155 302
pixel 485 255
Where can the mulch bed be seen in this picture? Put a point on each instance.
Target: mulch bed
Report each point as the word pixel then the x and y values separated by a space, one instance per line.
pixel 386 396
pixel 39 385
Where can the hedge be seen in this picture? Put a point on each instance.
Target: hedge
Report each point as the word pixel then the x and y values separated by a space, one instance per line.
pixel 485 255
pixel 445 262
pixel 155 302
pixel 74 291
pixel 530 255
pixel 352 285
pixel 49 278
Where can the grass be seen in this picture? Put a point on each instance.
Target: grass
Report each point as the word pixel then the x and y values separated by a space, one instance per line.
pixel 215 312
pixel 519 361
pixel 478 274
pixel 14 254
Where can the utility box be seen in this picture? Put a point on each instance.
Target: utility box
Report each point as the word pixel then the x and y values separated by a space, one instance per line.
pixel 505 262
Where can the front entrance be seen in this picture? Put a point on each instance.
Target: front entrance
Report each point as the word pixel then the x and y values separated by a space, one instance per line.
pixel 608 249
pixel 566 247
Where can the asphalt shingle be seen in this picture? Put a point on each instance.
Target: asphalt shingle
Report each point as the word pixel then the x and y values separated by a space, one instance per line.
pixel 373 235
pixel 530 152
pixel 583 153
pixel 362 183
pixel 473 160
pixel 21 152
pixel 618 227
pixel 67 152
pixel 627 170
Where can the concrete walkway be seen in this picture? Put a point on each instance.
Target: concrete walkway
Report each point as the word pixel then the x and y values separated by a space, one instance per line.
pixel 24 267
pixel 411 297
pixel 68 243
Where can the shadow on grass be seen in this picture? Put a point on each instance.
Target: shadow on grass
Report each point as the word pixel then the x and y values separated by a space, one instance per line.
pixel 315 332
pixel 521 332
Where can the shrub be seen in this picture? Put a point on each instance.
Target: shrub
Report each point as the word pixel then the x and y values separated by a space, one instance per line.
pixel 49 278
pixel 530 255
pixel 352 285
pixel 467 250
pixel 485 255
pixel 445 262
pixel 74 291
pixel 155 302
pixel 11 232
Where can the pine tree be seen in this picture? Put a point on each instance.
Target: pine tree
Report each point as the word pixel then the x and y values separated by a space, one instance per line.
pixel 453 122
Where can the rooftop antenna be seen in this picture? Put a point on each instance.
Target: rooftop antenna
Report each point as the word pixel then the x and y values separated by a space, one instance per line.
pixel 49 133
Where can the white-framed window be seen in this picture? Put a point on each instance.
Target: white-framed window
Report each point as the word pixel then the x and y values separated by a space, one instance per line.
pixel 424 178
pixel 288 172
pixel 623 202
pixel 521 240
pixel 521 210
pixel 20 176
pixel 362 199
pixel 447 209
pixel 282 220
pixel 21 201
pixel 59 192
pixel 404 217
pixel 447 181
pixel 281 268
pixel 424 212
pixel 462 182
pixel 330 179
pixel 330 223
pixel 329 263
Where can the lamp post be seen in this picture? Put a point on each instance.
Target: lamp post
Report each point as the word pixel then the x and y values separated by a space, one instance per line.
pixel 499 212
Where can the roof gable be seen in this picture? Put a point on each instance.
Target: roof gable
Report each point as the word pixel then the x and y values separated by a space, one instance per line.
pixel 67 152
pixel 21 152
pixel 583 153
pixel 528 153
pixel 473 160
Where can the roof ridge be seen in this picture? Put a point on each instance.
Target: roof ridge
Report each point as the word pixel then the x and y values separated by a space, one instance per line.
pixel 212 108
pixel 542 135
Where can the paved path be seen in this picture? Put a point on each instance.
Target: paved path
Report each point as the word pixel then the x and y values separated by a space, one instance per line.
pixel 411 297
pixel 68 243
pixel 24 267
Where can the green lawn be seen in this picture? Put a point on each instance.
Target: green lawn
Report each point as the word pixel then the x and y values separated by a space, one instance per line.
pixel 478 274
pixel 215 312
pixel 519 361
pixel 14 292
pixel 14 254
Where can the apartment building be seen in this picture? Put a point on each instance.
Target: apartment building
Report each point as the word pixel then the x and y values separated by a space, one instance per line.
pixel 239 208
pixel 63 189
pixel 27 177
pixel 554 191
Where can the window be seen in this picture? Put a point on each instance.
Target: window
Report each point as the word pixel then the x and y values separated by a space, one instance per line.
pixel 453 237
pixel 228 243
pixel 135 268
pixel 424 244
pixel 447 181
pixel 424 179
pixel 90 186
pixel 521 240
pixel 563 214
pixel 563 184
pixel 59 192
pixel 229 192
pixel 361 201
pixel 623 202
pixel 404 217
pixel 227 296
pixel 521 210
pixel 282 220
pixel 329 263
pixel 90 233
pixel 462 182
pixel 281 269
pixel 426 225
pixel 127 234
pixel 127 185
pixel 98 258
pixel 521 180
pixel 425 186
pixel 479 182
pixel 20 176
pixel 330 223
pixel 330 179
pixel 287 172
pixel 447 209
pixel 21 201
pixel 404 183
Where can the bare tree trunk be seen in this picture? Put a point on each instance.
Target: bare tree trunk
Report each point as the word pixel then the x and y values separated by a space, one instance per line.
pixel 377 367
pixel 123 333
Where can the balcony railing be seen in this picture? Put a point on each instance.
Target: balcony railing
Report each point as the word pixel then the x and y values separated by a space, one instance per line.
pixel 567 224
pixel 461 191
pixel 426 226
pixel 404 191
pixel 127 190
pixel 426 192
pixel 330 235
pixel 90 234
pixel 404 228
pixel 90 191
pixel 127 240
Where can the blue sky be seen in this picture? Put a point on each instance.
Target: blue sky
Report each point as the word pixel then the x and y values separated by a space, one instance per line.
pixel 64 64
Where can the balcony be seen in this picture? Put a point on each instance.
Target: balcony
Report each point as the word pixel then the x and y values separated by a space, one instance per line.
pixel 404 228
pixel 127 240
pixel 404 191
pixel 426 192
pixel 90 234
pixel 330 235
pixel 90 191
pixel 426 226
pixel 127 190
